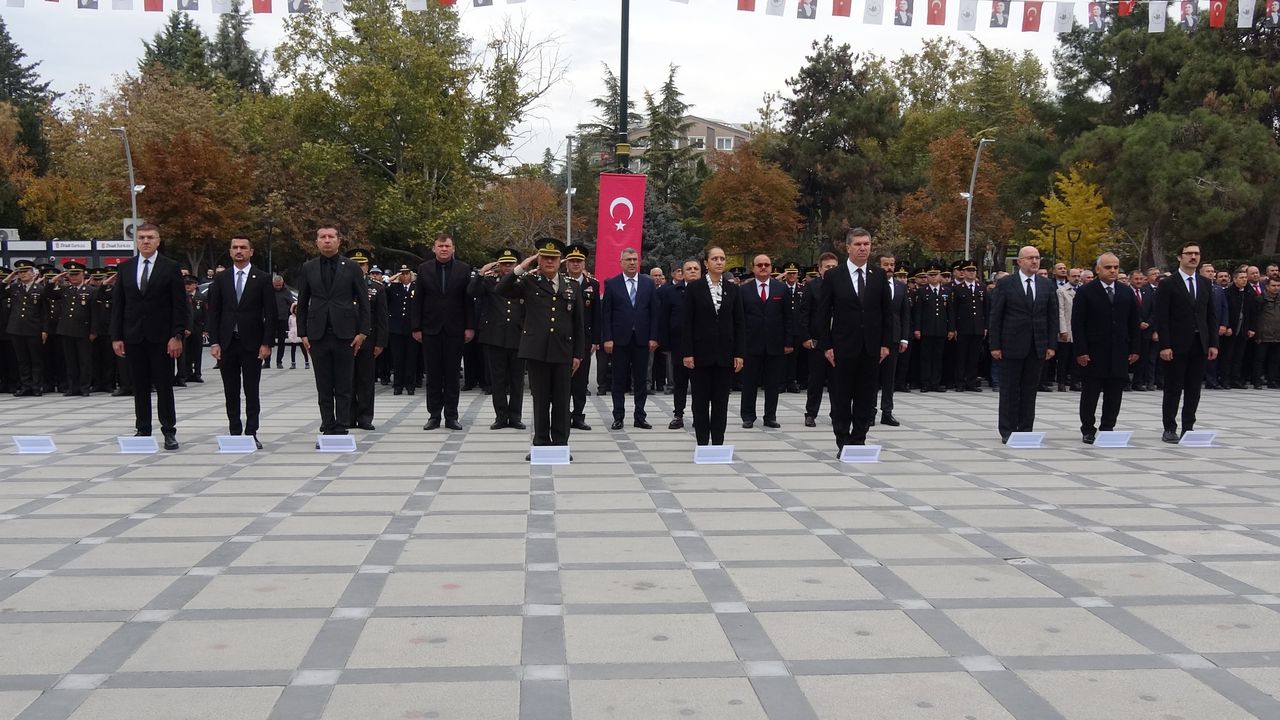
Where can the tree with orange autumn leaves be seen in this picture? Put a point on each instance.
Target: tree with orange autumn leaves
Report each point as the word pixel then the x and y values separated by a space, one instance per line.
pixel 749 204
pixel 935 213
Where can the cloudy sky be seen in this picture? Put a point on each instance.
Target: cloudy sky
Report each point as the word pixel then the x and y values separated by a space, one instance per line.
pixel 727 59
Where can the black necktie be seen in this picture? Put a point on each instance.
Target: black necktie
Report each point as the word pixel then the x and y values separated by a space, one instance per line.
pixel 146 275
pixel 1030 293
pixel 444 277
pixel 326 272
pixel 1191 288
pixel 1111 294
pixel 862 285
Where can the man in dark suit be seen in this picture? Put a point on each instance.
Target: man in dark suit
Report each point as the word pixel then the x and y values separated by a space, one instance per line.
pixel 671 337
pixel 1023 335
pixel 807 336
pixel 575 265
pixel 855 330
pixel 148 325
pixel 443 320
pixel 1241 323
pixel 242 322
pixel 365 371
pixel 1186 321
pixel 1144 294
pixel 1104 334
pixel 501 321
pixel 766 308
pixel 901 311
pixel 333 323
pixel 552 350
pixel 627 328
pixel 712 319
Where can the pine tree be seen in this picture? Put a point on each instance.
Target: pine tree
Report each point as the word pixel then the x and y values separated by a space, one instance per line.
pixel 231 56
pixel 20 87
pixel 181 48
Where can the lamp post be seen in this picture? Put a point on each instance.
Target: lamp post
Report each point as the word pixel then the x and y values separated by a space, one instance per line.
pixel 133 186
pixel 1074 236
pixel 1055 241
pixel 569 191
pixel 623 147
pixel 973 179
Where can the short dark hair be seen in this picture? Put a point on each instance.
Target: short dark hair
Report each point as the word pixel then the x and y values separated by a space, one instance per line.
pixel 442 236
pixel 856 232
pixel 1189 243
pixel 242 236
pixel 1242 270
pixel 328 225
pixel 146 227
pixel 827 256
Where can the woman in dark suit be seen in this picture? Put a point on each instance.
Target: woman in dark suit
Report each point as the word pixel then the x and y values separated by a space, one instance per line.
pixel 715 346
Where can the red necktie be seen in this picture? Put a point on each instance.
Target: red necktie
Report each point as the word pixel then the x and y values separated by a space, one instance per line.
pixel 763 297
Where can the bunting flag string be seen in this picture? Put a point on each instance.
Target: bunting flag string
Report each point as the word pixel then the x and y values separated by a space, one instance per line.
pixel 1099 14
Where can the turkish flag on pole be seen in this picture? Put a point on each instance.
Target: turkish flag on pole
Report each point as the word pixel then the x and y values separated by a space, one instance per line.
pixel 262 6
pixel 747 5
pixel 153 5
pixel 1031 16
pixel 937 12
pixel 620 221
pixel 1217 13
pixel 841 8
pixel 1125 9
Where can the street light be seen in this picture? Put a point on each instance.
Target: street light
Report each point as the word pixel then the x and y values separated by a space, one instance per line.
pixel 134 187
pixel 1074 236
pixel 1055 241
pixel 569 190
pixel 973 179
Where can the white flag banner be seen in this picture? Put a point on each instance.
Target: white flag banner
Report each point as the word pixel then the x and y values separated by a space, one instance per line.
pixel 416 5
pixel 121 4
pixel 874 13
pixel 222 7
pixel 968 16
pixel 775 7
pixel 1063 19
pixel 1245 17
pixel 15 3
pixel 331 6
pixel 686 2
pixel 1157 16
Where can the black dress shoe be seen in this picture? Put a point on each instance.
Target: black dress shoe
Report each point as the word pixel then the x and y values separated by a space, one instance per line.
pixel 195 379
pixel 772 424
pixel 120 392
pixel 410 389
pixel 170 441
pixel 809 421
pixel 617 425
pixel 889 419
pixel 453 424
pixel 179 383
pixel 599 392
pixel 579 424
pixel 1004 439
pixel 257 442
pixel 1170 436
pixel 365 426
pixel 432 424
pixel 397 391
pixel 498 424
pixel 142 434
pixel 676 424
pixel 747 424
pixel 517 425
pixel 1089 438
pixel 642 425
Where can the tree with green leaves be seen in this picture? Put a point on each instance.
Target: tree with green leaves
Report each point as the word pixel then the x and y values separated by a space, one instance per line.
pixel 231 56
pixel 28 98
pixel 668 154
pixel 181 48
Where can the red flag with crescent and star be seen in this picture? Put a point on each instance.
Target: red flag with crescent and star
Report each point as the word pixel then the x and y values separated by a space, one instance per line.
pixel 747 5
pixel 620 222
pixel 841 8
pixel 1031 16
pixel 153 5
pixel 261 6
pixel 1125 8
pixel 1217 13
pixel 937 12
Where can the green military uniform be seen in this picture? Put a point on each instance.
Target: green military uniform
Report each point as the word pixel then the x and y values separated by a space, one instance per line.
pixel 498 333
pixel 73 303
pixel 27 328
pixel 364 379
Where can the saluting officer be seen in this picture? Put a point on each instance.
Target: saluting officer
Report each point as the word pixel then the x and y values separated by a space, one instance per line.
pixel 362 385
pixel 54 367
pixel 192 359
pixel 970 308
pixel 499 336
pixel 382 363
pixel 933 325
pixel 73 297
pixel 117 368
pixel 8 363
pixel 405 351
pixel 575 265
pixel 27 328
pixel 553 340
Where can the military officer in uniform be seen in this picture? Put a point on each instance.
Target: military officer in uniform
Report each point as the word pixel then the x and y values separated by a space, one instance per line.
pixel 933 325
pixel 73 299
pixel 500 323
pixel 8 363
pixel 553 339
pixel 27 327
pixel 362 385
pixel 903 365
pixel 575 265
pixel 118 379
pixel 189 365
pixel 54 369
pixel 790 277
pixel 969 305
pixel 404 349
pixel 382 364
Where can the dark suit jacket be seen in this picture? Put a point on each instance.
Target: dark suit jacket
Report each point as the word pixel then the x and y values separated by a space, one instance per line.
pixel 501 317
pixel 806 322
pixel 1146 310
pixel 156 315
pixel 541 337
pixel 344 306
pixel 590 309
pixel 253 317
pixel 715 339
pixel 853 325
pixel 1018 329
pixel 771 322
pixel 671 337
pixel 1107 332
pixel 451 312
pixel 901 309
pixel 1242 311
pixel 1182 323
pixel 619 321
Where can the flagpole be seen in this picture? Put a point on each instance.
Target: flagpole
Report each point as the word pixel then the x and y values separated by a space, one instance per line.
pixel 623 148
pixel 973 179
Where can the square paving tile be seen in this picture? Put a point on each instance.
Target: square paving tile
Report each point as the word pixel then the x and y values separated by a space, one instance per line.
pixel 770 547
pixel 972 581
pixel 847 635
pixel 668 699
pixel 618 550
pixel 630 586
pixel 31 648
pixel 271 591
pixel 269 553
pixel 240 703
pixel 457 588
pixel 421 701
pixel 905 547
pixel 65 594
pixel 437 642
pixel 1064 544
pixel 1108 579
pixel 205 645
pixel 1135 694
pixel 802 584
pixel 1262 574
pixel 901 697
pixel 1217 628
pixel 1044 631
pixel 463 552
pixel 645 639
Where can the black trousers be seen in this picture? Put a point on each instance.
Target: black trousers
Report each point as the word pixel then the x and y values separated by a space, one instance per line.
pixel 1019 382
pixel 1231 359
pixel 549 383
pixel 473 367
pixel 443 359
pixel 151 367
pixel 506 382
pixel 630 361
pixel 1182 378
pixel 404 360
pixel 8 366
pixel 125 373
pixel 241 369
pixel 1066 370
pixel 710 389
pixel 658 369
pixel 968 354
pixel 760 370
pixel 579 386
pixel 30 353
pixel 931 349
pixel 819 370
pixel 888 381
pixel 282 336
pixel 604 371
pixel 904 365
pixel 1144 369
pixel 104 365
pixel 1266 361
pixel 334 366
pixel 1112 391
pixel 362 385
pixel 679 386
pixel 193 354
pixel 854 381
pixel 78 354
